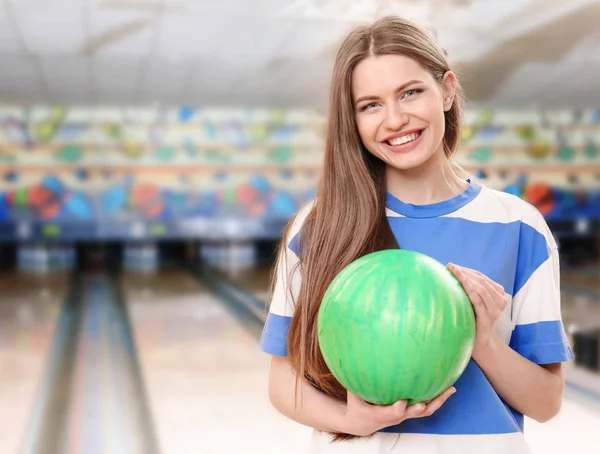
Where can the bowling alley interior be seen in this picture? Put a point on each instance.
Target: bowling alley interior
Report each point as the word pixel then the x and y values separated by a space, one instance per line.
pixel 152 153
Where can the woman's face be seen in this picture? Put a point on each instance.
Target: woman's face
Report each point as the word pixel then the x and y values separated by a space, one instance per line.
pixel 399 109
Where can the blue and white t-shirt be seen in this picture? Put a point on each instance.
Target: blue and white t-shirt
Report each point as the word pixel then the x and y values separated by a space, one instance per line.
pixel 506 239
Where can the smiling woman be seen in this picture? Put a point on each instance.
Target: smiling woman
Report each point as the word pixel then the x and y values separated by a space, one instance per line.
pixel 403 122
pixel 388 182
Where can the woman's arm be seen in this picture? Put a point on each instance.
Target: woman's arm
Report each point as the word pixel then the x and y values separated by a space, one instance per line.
pixel 533 390
pixel 321 412
pixel 315 409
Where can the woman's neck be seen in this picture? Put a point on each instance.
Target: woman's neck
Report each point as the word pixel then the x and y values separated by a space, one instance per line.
pixel 432 182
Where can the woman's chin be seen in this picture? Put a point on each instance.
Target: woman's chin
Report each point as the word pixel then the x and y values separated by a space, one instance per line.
pixel 407 162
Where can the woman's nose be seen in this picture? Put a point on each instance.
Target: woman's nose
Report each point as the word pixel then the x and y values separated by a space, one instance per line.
pixel 395 117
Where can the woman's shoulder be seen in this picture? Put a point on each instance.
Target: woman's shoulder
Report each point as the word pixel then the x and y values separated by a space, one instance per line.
pixel 510 209
pixel 519 208
pixel 493 205
pixel 297 221
pixel 301 215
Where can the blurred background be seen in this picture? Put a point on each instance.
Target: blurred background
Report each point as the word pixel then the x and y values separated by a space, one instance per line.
pixel 151 151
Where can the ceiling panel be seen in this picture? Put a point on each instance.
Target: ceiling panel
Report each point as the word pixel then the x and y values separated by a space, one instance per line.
pixel 257 36
pixel 119 31
pixel 213 75
pixel 313 39
pixel 235 35
pixel 578 81
pixel 265 7
pixel 487 14
pixel 526 84
pixel 64 76
pixel 281 51
pixel 587 50
pixel 163 76
pixel 531 14
pixel 53 28
pixel 116 79
pixel 191 35
pixel 19 79
pixel 550 85
pixel 581 89
pixel 213 81
pixel 9 44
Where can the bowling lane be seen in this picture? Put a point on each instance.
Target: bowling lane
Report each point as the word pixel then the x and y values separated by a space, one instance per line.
pixel 573 429
pixel 206 378
pixel 255 280
pixel 204 374
pixel 29 310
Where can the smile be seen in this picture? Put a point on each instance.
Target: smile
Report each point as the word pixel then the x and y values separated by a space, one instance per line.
pixel 404 139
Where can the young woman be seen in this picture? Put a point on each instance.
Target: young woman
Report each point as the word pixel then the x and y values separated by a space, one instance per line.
pixel 388 182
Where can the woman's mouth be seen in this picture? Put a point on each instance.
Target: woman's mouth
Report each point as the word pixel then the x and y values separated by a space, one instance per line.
pixel 404 139
pixel 406 142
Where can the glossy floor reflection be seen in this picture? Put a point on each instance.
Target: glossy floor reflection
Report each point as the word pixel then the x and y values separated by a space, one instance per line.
pixel 207 378
pixel 29 309
pixel 204 376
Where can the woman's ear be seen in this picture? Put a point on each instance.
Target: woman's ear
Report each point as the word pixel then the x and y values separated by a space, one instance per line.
pixel 449 84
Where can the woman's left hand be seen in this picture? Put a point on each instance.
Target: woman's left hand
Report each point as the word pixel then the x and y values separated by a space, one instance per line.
pixel 487 298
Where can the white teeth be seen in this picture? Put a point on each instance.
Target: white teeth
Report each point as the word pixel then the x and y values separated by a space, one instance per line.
pixel 404 139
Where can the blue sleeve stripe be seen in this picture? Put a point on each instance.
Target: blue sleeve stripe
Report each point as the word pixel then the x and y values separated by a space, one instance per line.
pixel 274 335
pixel 533 251
pixel 294 245
pixel 542 342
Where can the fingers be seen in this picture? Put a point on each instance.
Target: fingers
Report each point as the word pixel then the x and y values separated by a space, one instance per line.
pixel 469 286
pixel 495 301
pixel 415 411
pixel 478 275
pixel 387 415
pixel 492 286
pixel 354 400
pixel 487 299
pixel 366 418
pixel 436 403
pixel 483 292
pixel 397 411
pixel 422 409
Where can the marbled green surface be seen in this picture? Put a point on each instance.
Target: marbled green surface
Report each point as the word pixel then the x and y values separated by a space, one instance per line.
pixel 396 325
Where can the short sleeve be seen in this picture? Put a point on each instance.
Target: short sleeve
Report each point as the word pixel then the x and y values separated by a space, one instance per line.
pixel 285 292
pixel 538 332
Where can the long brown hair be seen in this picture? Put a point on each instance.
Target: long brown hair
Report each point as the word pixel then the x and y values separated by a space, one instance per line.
pixel 348 218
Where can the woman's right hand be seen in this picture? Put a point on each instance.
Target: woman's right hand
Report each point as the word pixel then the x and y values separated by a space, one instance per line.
pixel 363 419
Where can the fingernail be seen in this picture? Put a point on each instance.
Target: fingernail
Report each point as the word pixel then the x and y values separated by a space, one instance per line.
pixel 453 391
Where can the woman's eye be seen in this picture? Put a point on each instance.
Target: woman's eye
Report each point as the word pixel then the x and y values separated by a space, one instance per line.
pixel 412 92
pixel 368 106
